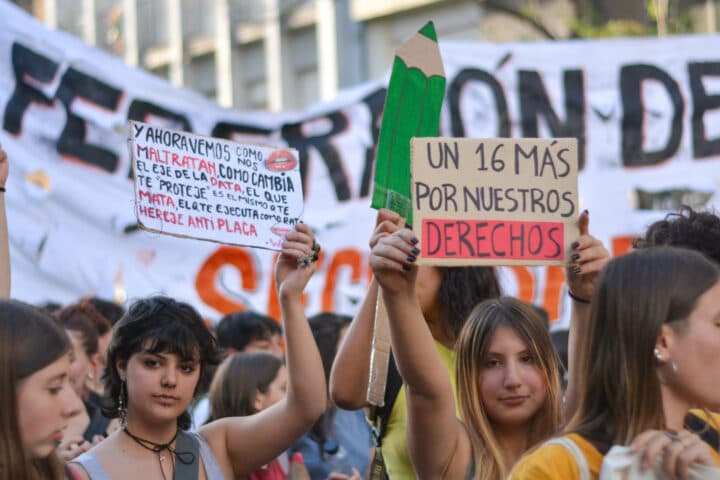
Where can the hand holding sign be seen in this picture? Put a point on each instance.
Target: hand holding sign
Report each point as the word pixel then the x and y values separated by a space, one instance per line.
pixel 588 259
pixel 297 261
pixel 391 260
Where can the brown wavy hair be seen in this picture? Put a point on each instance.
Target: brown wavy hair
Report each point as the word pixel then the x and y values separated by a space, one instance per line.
pixel 29 341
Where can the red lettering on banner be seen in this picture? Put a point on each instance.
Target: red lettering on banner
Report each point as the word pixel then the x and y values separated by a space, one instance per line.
pixel 493 239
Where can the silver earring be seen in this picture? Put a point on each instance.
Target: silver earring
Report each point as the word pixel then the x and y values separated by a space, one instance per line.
pixel 673 365
pixel 658 355
pixel 122 408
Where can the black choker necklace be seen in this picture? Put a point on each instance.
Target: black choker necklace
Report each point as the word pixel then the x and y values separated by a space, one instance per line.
pixel 183 457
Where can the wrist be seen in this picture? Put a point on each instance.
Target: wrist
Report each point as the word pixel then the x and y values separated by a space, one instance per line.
pixel 577 298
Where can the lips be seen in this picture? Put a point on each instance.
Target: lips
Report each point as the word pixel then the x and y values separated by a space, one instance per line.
pixel 281 161
pixel 514 400
pixel 166 400
pixel 58 436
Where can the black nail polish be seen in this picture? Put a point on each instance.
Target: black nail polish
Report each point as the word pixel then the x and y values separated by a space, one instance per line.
pixel 577 270
pixel 415 251
pixel 414 240
pixel 574 256
pixel 574 245
pixel 406 268
pixel 410 258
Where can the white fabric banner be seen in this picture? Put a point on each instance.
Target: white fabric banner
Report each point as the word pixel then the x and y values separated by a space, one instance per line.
pixel 646 113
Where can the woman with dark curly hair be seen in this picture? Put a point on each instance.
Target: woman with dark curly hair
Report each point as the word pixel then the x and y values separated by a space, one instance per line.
pixel 159 352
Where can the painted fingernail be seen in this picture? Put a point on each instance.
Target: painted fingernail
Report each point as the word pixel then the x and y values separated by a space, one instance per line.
pixel 586 212
pixel 574 256
pixel 406 268
pixel 574 245
pixel 577 270
pixel 410 258
pixel 414 240
pixel 415 251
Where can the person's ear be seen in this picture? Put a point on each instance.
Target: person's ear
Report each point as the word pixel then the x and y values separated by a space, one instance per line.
pixel 664 345
pixel 121 367
pixel 259 401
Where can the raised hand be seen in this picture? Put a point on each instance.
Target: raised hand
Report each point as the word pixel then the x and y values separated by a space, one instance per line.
pixel 588 259
pixel 392 260
pixel 297 261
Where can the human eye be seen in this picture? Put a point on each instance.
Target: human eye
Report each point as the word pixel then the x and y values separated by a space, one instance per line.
pixel 151 363
pixel 188 368
pixel 527 358
pixel 492 363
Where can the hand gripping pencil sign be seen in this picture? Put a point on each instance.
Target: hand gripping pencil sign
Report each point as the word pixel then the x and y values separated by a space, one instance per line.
pixel 212 189
pixel 412 108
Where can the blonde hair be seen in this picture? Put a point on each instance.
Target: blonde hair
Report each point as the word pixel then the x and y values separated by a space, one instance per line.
pixel 472 349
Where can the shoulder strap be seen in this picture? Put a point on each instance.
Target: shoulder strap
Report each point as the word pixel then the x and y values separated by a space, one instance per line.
pixel 575 451
pixel 392 389
pixel 704 430
pixel 187 457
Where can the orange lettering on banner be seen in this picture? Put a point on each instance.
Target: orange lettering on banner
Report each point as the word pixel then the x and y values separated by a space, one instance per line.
pixel 621 245
pixel 348 257
pixel 554 280
pixel 526 284
pixel 205 280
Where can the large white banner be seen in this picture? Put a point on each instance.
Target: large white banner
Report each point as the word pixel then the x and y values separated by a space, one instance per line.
pixel 646 113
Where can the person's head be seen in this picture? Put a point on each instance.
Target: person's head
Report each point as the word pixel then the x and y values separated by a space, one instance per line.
pixel 36 399
pixel 653 333
pixel 699 231
pixel 450 293
pixel 82 324
pixel 110 310
pixel 247 383
pixel 249 331
pixel 159 351
pixel 507 378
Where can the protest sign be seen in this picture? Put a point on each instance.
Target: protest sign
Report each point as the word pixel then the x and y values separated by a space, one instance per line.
pixel 194 186
pixel 495 201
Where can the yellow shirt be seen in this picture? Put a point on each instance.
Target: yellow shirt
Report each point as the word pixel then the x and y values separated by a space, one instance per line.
pixel 556 462
pixel 394 444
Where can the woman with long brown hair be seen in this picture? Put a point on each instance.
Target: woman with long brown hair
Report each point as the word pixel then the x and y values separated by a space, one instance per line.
pixel 648 356
pixel 36 399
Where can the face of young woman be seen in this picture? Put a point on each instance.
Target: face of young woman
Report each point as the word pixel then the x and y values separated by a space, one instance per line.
pixel 46 401
pixel 160 386
pixel 80 365
pixel 276 391
pixel 695 353
pixel 511 385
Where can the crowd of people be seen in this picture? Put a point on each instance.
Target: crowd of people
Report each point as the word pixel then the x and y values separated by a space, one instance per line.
pixel 476 388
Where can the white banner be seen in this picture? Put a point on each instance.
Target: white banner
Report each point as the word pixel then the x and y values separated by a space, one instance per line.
pixel 646 113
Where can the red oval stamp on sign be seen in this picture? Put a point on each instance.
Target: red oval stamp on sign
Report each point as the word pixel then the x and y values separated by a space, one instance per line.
pixel 280 230
pixel 281 161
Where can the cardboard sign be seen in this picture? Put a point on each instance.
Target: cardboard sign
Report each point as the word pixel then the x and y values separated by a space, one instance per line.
pixel 194 186
pixel 495 201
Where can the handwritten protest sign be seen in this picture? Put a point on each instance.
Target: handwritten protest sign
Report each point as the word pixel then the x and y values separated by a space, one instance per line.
pixel 194 186
pixel 495 201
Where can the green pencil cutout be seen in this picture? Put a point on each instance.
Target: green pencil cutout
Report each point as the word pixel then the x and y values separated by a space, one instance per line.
pixel 412 109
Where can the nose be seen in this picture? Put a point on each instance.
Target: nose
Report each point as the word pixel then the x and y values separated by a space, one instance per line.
pixel 169 378
pixel 71 403
pixel 512 376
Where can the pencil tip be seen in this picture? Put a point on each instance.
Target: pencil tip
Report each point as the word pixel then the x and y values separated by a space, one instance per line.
pixel 429 31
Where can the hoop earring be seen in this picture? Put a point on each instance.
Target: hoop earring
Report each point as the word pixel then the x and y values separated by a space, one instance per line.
pixel 122 408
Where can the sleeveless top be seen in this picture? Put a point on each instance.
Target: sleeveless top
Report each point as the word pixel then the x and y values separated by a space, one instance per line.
pixel 212 469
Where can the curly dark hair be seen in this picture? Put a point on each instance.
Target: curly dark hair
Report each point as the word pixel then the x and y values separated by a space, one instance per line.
pixel 462 288
pixel 699 231
pixel 158 325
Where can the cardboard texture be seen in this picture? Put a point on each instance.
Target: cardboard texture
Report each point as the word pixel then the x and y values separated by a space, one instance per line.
pixel 495 201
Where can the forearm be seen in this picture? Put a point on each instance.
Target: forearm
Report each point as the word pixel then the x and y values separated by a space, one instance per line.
pixel 416 355
pixel 579 320
pixel 4 252
pixel 351 368
pixel 307 391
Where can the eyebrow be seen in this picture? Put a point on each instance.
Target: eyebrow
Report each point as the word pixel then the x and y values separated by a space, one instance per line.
pixel 59 376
